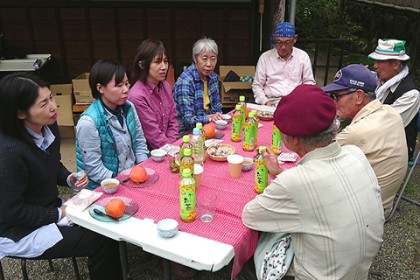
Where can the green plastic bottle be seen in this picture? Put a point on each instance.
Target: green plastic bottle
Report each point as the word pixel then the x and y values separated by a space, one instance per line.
pixel 249 143
pixel 256 123
pixel 187 161
pixel 243 107
pixel 276 141
pixel 236 125
pixel 186 144
pixel 187 197
pixel 261 172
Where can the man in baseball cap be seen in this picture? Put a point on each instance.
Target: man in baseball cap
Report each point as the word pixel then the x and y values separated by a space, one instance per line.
pixel 375 128
pixel 397 88
pixel 282 68
pixel 332 188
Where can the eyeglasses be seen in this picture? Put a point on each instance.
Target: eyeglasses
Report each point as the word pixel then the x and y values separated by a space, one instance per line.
pixel 335 96
pixel 284 43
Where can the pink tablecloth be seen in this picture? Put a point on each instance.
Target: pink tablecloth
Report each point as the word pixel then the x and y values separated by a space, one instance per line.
pixel 161 200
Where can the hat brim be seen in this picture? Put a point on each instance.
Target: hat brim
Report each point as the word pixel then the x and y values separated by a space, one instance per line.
pixel 334 87
pixel 378 56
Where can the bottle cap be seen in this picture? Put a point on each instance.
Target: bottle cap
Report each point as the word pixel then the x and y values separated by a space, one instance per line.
pixel 186 173
pixel 187 152
pixel 255 111
pixel 261 149
pixel 251 115
pixel 186 139
pixel 238 107
pixel 199 125
pixel 196 131
pixel 242 98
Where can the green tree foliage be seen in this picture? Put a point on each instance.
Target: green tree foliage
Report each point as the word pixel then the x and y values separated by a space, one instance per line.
pixel 325 19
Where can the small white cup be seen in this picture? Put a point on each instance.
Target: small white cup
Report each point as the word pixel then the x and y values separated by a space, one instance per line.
pixel 198 173
pixel 235 165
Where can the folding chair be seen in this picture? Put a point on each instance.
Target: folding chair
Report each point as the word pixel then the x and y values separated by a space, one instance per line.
pixel 400 195
pixel 25 272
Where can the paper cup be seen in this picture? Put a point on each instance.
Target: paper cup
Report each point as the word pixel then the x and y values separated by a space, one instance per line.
pixel 235 165
pixel 198 173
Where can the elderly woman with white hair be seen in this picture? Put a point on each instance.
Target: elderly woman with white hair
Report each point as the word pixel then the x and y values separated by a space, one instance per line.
pixel 196 90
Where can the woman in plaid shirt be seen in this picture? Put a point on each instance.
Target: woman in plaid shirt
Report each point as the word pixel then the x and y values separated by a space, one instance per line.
pixel 196 90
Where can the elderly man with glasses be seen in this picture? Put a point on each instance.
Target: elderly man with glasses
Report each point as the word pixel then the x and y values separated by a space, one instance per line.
pixel 376 129
pixel 282 68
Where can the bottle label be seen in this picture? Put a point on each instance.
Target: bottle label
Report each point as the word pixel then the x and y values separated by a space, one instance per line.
pixel 236 127
pixel 261 176
pixel 249 140
pixel 276 141
pixel 187 200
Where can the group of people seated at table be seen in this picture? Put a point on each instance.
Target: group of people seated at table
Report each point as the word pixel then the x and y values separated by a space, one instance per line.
pixel 325 216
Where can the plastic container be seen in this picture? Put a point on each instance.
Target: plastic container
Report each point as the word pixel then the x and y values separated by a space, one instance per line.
pixel 187 197
pixel 184 145
pixel 261 172
pixel 276 141
pixel 236 125
pixel 249 143
pixel 187 162
pixel 197 143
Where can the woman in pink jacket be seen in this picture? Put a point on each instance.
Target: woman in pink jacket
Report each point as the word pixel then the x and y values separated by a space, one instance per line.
pixel 152 95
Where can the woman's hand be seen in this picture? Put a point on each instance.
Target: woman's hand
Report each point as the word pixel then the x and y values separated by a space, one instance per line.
pixel 272 163
pixel 63 211
pixel 214 117
pixel 79 179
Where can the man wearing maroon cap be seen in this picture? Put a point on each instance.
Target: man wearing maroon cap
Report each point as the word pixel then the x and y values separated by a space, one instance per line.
pixel 329 203
pixel 375 128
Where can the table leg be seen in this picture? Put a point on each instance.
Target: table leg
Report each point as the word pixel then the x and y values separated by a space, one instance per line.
pixel 166 269
pixel 124 259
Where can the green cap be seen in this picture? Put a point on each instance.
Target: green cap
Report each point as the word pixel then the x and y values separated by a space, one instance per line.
pixel 254 111
pixel 199 125
pixel 242 98
pixel 186 139
pixel 261 149
pixel 186 173
pixel 251 115
pixel 187 152
pixel 238 107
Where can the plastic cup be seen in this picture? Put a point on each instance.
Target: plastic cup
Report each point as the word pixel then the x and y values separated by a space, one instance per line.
pixel 198 172
pixel 235 165
pixel 206 206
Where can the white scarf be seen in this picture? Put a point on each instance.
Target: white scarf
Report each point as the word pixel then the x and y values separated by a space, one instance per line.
pixel 383 88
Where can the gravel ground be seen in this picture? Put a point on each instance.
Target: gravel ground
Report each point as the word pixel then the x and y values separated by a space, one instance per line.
pixel 399 257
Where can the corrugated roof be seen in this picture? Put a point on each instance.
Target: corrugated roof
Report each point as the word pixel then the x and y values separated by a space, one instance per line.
pixel 408 5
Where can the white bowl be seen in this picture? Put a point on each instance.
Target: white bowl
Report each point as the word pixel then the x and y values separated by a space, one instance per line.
pixel 110 186
pixel 221 124
pixel 167 228
pixel 248 164
pixel 158 155
pixel 227 117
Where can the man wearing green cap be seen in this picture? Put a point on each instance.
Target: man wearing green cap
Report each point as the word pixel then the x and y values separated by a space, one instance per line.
pixel 397 88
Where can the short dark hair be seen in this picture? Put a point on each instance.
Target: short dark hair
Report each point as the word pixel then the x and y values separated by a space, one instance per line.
pixel 18 92
pixel 146 52
pixel 102 73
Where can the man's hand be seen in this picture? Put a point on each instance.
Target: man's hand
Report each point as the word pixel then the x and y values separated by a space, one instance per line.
pixel 272 163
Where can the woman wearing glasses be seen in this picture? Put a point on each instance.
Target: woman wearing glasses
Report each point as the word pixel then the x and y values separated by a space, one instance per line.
pixel 109 137
pixel 282 68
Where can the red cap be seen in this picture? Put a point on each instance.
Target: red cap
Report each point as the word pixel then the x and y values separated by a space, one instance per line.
pixel 306 111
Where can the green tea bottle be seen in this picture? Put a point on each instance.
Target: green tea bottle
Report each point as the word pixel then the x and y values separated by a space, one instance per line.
pixel 256 122
pixel 249 134
pixel 243 107
pixel 186 144
pixel 236 125
pixel 187 197
pixel 276 141
pixel 187 161
pixel 261 172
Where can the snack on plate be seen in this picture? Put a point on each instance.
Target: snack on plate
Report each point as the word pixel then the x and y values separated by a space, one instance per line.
pixel 220 152
pixel 265 115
